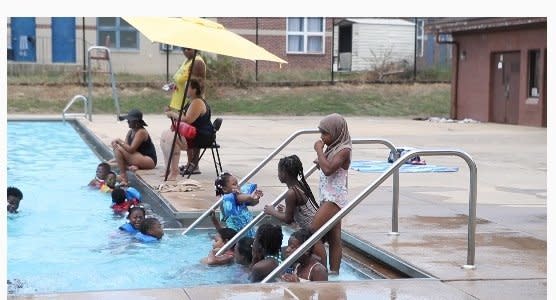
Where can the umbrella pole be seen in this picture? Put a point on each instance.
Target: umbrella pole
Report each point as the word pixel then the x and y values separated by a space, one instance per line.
pixel 176 129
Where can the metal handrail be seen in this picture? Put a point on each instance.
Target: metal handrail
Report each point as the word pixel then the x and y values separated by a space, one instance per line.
pixel 70 103
pixel 251 174
pixel 261 215
pixel 106 57
pixel 396 165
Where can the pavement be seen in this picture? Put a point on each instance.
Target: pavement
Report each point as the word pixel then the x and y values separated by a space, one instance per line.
pixel 511 231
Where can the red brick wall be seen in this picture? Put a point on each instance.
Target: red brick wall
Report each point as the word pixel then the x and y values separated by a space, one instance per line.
pixel 473 91
pixel 276 44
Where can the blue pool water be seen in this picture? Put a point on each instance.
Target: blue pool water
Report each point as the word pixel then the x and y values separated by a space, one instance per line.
pixel 66 238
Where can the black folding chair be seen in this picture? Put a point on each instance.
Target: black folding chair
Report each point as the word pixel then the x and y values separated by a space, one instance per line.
pixel 213 148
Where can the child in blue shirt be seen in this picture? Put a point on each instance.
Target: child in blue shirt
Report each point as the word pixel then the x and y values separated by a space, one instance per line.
pixel 234 211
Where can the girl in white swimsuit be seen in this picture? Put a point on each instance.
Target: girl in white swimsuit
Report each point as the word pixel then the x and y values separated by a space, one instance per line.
pixel 334 164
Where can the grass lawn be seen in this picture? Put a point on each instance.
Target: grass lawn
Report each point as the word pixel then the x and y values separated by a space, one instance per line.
pixel 395 100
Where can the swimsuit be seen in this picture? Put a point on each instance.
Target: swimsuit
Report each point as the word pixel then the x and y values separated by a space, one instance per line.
pixel 308 275
pixel 146 148
pixel 334 187
pixel 305 213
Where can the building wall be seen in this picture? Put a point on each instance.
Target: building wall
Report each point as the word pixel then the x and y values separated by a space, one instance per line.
pixel 374 44
pixel 473 86
pixel 272 36
pixel 148 59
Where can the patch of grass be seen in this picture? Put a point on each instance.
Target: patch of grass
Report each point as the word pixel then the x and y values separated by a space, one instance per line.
pixel 358 100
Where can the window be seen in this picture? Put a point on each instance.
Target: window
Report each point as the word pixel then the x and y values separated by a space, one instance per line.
pixel 116 33
pixel 534 73
pixel 420 44
pixel 305 35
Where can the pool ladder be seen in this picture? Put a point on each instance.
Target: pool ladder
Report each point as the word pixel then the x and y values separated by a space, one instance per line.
pixel 94 53
pixel 392 171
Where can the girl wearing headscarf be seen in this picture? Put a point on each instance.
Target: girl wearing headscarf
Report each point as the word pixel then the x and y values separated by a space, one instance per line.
pixel 333 164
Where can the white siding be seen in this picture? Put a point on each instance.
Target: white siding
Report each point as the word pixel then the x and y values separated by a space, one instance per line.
pixel 374 43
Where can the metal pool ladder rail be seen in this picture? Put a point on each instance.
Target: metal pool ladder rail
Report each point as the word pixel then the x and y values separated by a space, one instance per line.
pixel 278 199
pixel 395 166
pixel 94 53
pixel 86 112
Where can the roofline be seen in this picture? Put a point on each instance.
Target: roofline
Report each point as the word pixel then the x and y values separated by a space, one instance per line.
pixel 450 25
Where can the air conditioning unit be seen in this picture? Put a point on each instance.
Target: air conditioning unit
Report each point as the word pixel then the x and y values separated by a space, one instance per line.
pixel 166 47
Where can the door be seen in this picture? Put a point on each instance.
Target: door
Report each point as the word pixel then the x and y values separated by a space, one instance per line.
pixel 63 40
pixel 24 39
pixel 504 104
pixel 345 41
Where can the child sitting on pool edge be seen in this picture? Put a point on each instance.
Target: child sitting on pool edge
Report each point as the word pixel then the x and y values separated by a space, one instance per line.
pixel 222 236
pixel 150 231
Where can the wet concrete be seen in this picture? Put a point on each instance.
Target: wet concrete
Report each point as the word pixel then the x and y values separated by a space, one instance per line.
pixel 511 247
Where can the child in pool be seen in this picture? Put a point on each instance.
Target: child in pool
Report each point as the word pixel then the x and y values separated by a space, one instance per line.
pixel 14 197
pixel 308 268
pixel 110 182
pixel 266 251
pixel 135 216
pixel 301 205
pixel 102 171
pixel 221 237
pixel 150 231
pixel 234 205
pixel 121 202
pixel 333 185
pixel 243 254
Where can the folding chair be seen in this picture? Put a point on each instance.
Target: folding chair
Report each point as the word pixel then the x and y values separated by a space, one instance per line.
pixel 213 148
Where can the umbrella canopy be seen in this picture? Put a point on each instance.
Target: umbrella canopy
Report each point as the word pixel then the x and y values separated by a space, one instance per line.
pixel 200 34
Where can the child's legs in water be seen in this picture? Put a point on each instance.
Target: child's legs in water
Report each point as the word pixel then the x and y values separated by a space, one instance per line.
pixel 326 211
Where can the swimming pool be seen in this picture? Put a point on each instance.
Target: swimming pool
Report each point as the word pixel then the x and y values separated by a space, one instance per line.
pixel 66 239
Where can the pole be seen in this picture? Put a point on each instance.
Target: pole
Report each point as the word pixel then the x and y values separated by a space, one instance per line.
pixel 256 42
pixel 415 53
pixel 167 63
pixel 179 117
pixel 332 56
pixel 84 51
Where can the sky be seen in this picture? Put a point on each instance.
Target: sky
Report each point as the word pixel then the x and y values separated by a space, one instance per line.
pixel 284 8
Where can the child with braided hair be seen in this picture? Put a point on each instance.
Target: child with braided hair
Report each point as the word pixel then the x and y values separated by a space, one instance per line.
pixel 235 213
pixel 301 205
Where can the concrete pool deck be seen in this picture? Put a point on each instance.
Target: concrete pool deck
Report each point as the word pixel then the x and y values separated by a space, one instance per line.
pixel 511 233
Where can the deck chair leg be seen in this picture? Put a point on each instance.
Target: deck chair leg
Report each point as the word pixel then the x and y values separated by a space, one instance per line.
pixel 219 161
pixel 214 161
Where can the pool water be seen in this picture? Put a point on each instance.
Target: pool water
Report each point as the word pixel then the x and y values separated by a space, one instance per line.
pixel 65 237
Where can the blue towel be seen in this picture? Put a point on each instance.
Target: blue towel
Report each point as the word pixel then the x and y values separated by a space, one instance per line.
pixel 376 166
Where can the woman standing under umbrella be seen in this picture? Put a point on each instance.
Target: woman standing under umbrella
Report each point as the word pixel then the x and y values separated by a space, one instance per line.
pixel 180 78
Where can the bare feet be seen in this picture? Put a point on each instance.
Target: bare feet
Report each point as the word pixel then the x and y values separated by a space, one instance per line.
pixel 133 168
pixel 171 177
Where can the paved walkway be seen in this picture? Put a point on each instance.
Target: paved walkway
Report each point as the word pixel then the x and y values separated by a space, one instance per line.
pixel 511 211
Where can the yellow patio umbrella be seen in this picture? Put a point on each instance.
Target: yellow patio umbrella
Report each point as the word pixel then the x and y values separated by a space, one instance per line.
pixel 198 34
